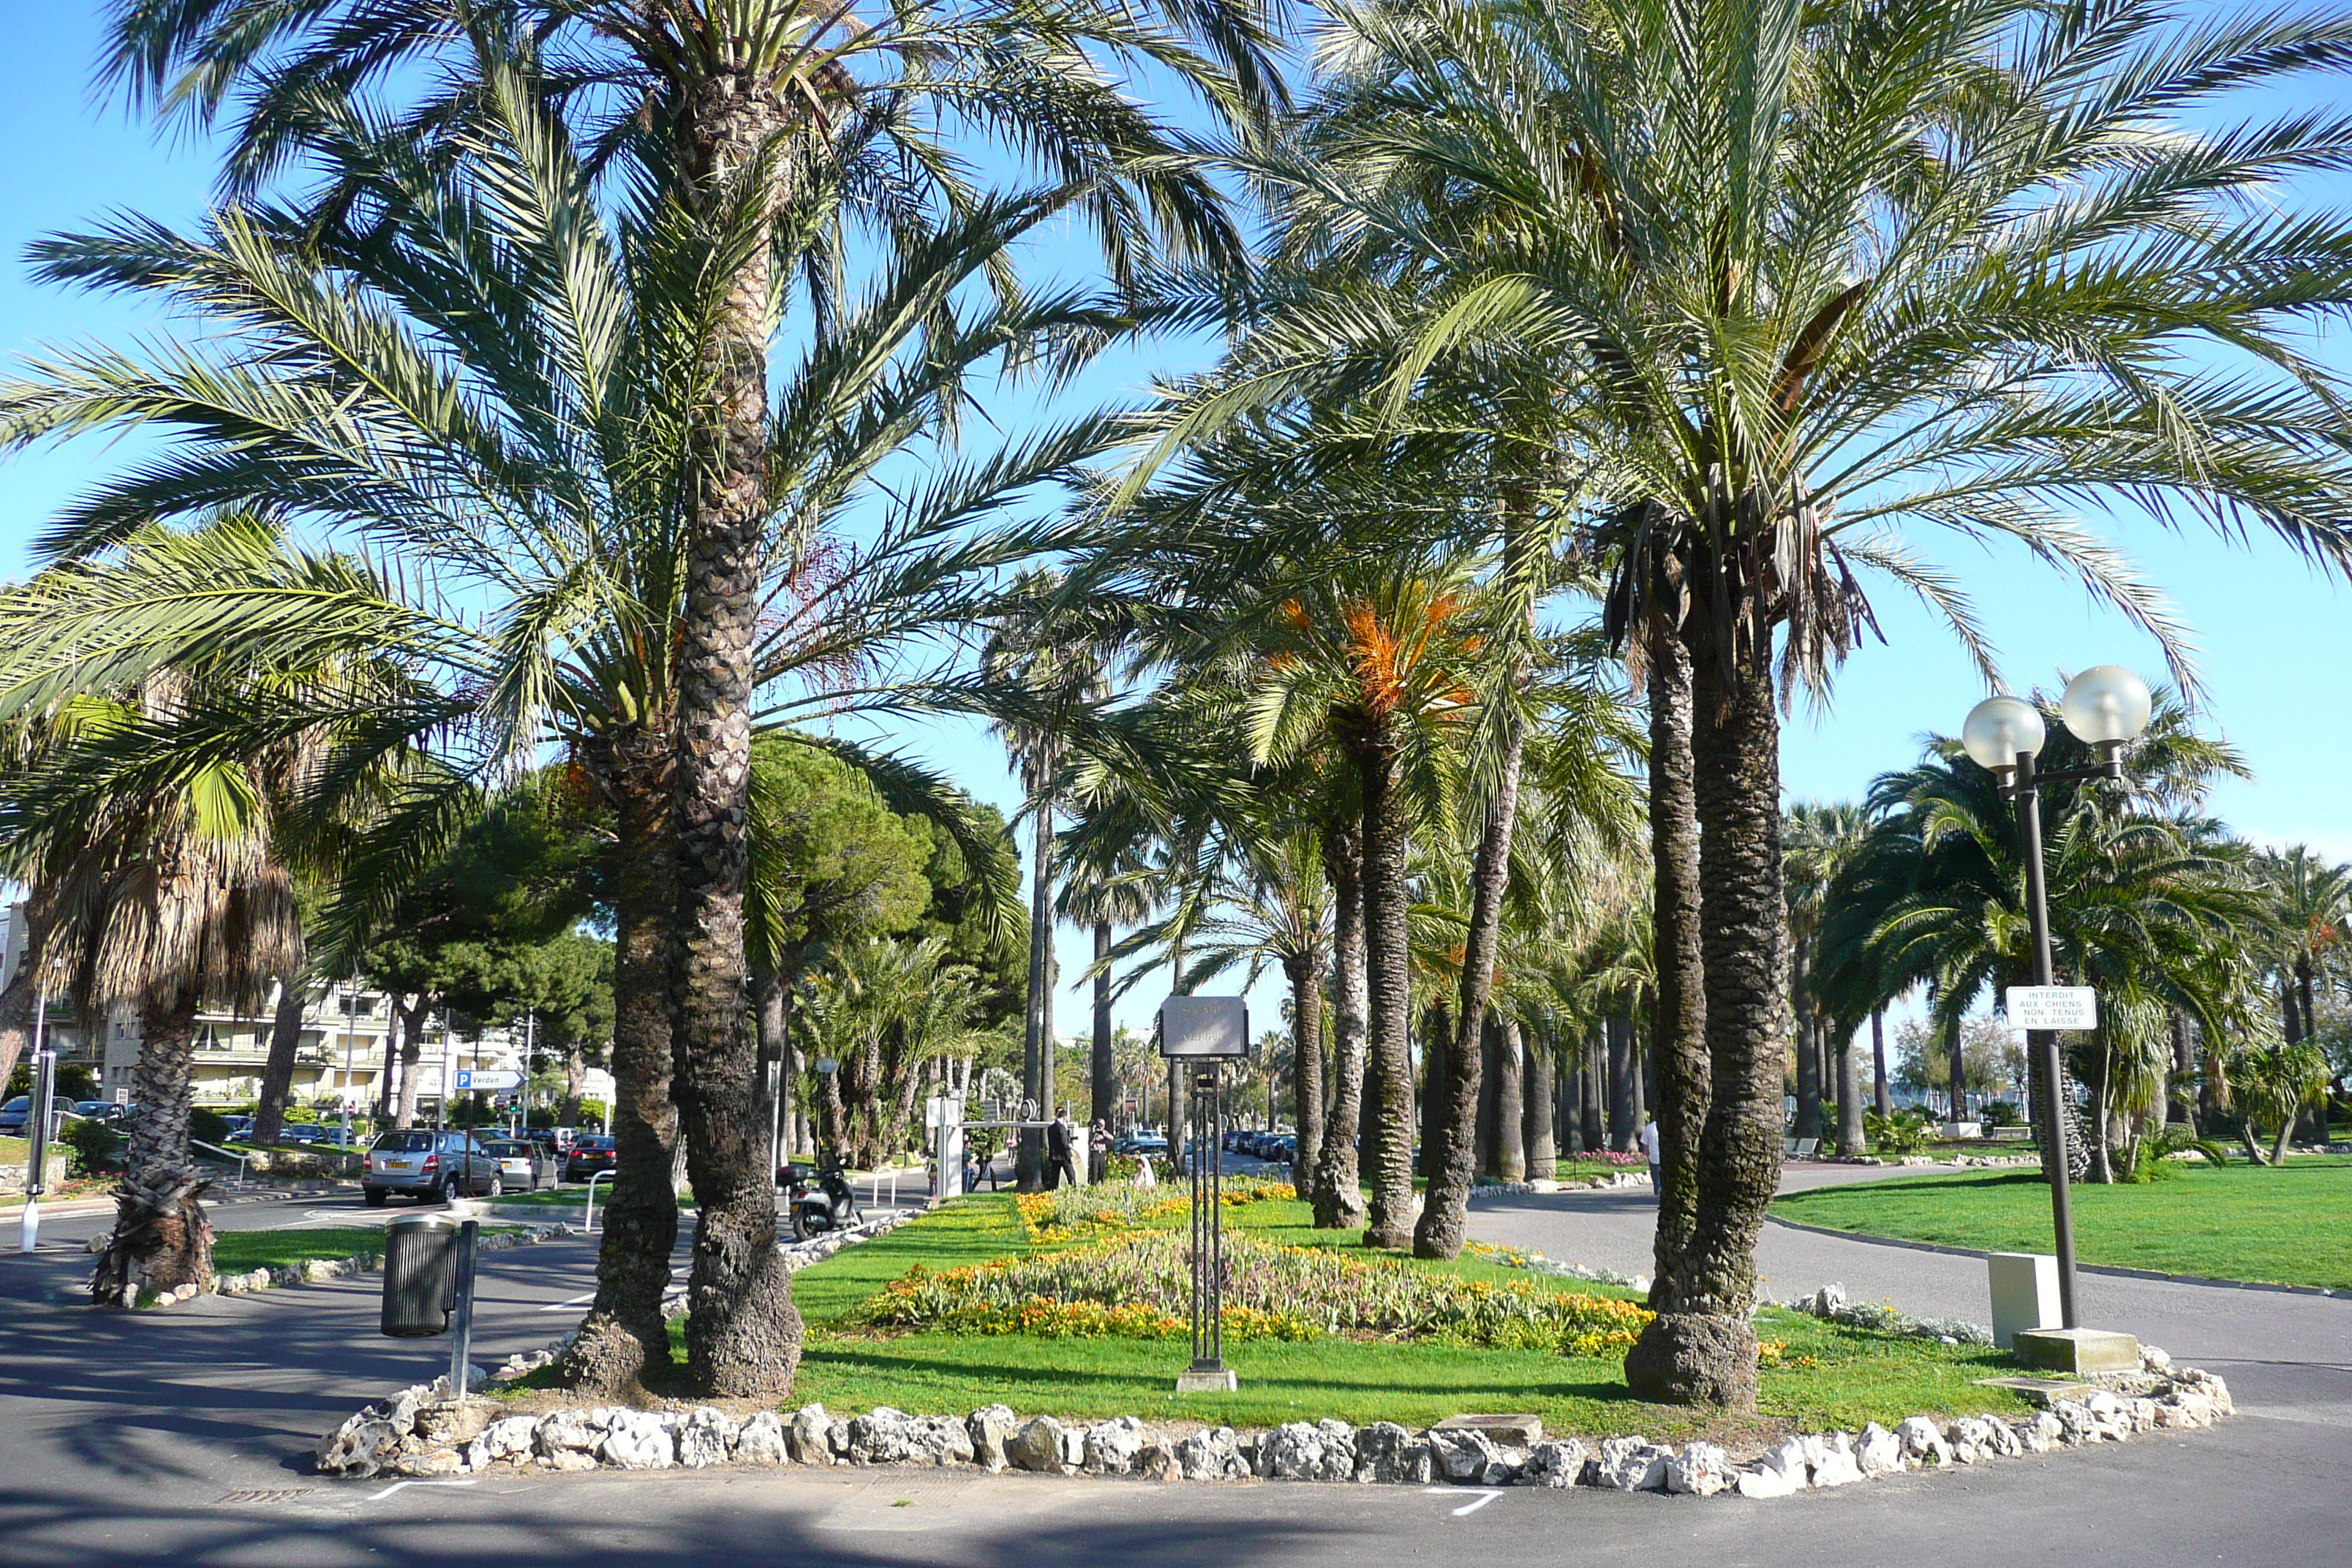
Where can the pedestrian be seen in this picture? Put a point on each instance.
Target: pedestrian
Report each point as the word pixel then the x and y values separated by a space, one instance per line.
pixel 1650 1148
pixel 1057 1152
pixel 1098 1146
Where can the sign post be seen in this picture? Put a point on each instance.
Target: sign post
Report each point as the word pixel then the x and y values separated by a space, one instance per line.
pixel 1197 1035
pixel 36 1143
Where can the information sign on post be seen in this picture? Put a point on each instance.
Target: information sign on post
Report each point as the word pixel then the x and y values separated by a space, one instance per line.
pixel 487 1079
pixel 1207 1032
pixel 2052 1008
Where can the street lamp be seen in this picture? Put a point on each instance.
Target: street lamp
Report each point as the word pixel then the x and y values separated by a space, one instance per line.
pixel 2104 707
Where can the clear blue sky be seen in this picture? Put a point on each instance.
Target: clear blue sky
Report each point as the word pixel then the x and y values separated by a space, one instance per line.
pixel 2276 641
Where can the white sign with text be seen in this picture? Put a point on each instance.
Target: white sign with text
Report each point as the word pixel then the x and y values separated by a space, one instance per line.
pixel 2052 1008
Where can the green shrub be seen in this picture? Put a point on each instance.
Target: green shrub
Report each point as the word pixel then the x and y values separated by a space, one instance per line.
pixel 92 1144
pixel 1905 1133
pixel 2001 1114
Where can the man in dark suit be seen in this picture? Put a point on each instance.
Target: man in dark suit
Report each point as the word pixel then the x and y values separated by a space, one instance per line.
pixel 1057 1152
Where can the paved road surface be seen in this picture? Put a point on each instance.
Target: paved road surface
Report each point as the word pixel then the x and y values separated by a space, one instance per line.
pixel 181 1437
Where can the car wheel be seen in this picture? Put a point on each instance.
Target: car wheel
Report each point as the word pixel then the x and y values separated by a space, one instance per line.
pixel 375 1196
pixel 497 1186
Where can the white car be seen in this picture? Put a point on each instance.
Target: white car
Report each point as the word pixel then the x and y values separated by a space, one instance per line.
pixel 523 1166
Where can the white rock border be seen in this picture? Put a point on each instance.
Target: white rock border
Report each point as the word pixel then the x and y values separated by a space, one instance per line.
pixel 420 1433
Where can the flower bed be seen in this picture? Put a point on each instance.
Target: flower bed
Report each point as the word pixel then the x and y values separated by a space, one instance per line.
pixel 1140 1287
pixel 1078 1214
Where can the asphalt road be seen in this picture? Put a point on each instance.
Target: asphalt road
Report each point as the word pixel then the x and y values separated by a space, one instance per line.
pixel 184 1437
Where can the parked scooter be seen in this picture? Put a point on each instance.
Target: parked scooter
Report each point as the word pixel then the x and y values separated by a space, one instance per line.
pixel 827 1203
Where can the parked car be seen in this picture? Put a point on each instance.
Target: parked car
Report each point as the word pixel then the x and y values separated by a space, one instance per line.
pixel 1155 1147
pixel 428 1167
pixel 523 1166
pixel 14 1114
pixel 301 1132
pixel 239 1127
pixel 586 1157
pixel 93 1109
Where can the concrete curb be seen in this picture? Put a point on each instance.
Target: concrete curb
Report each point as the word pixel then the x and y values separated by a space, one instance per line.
pixel 2079 1267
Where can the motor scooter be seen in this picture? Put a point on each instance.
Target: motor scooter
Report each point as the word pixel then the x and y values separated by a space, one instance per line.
pixel 818 1205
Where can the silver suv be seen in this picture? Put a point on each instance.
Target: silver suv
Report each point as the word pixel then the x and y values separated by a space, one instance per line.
pixel 428 1167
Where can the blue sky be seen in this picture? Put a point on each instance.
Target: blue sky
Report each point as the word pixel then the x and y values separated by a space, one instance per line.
pixel 2275 639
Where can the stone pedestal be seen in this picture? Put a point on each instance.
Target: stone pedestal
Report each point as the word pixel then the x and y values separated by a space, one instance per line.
pixel 2078 1351
pixel 1208 1380
pixel 1963 1129
pixel 2024 1294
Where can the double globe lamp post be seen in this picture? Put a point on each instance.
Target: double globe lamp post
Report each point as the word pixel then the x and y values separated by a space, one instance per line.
pixel 2103 708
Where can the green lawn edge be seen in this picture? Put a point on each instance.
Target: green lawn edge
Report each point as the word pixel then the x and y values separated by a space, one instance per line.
pixel 2284 1225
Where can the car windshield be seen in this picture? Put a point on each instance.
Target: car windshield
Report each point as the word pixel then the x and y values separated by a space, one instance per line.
pixel 22 1103
pixel 593 1144
pixel 505 1148
pixel 402 1144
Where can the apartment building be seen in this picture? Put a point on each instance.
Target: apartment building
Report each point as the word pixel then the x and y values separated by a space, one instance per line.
pixel 341 1059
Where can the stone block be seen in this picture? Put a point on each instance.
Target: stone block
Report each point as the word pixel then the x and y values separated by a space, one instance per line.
pixel 2024 1294
pixel 1208 1380
pixel 2078 1351
pixel 1509 1431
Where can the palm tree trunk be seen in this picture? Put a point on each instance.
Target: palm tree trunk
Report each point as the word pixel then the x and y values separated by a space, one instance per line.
pixel 2103 1170
pixel 1678 1017
pixel 742 1335
pixel 1850 1140
pixel 624 1338
pixel 1568 1087
pixel 1957 1070
pixel 1029 1164
pixel 2179 1104
pixel 1809 1056
pixel 1596 1088
pixel 407 1025
pixel 278 1072
pixel 1623 1130
pixel 1388 1069
pixel 162 1239
pixel 1512 1093
pixel 1536 1128
pixel 1484 1149
pixel 1700 1348
pixel 1102 1085
pixel 1444 1215
pixel 1338 1189
pixel 1306 975
pixel 1880 1089
pixel 1436 1040
pixel 772 1019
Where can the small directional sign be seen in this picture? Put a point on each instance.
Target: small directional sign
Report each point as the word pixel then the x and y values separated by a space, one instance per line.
pixel 469 1078
pixel 2052 1008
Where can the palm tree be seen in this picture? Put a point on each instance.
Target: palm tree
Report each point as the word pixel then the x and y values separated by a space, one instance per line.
pixel 2275 1083
pixel 169 896
pixel 531 499
pixel 1822 840
pixel 2312 909
pixel 1808 277
pixel 748 103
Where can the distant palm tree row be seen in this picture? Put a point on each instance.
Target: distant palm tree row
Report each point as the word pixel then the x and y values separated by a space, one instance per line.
pixel 619 393
pixel 2207 954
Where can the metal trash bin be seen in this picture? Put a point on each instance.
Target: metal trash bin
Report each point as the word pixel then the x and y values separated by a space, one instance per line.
pixel 420 1276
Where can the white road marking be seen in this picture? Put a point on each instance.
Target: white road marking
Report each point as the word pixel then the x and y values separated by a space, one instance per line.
pixel 1483 1497
pixel 373 1496
pixel 568 1306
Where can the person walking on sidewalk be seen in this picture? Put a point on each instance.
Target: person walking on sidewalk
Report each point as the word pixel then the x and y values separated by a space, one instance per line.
pixel 1650 1150
pixel 1057 1152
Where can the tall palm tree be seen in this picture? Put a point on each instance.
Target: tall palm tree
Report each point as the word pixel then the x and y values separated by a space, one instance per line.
pixel 748 101
pixel 1807 279
pixel 531 500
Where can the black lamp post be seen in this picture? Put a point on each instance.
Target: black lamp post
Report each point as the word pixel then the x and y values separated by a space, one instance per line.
pixel 2104 707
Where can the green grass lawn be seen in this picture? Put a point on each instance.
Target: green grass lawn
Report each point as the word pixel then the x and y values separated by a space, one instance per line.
pixel 2283 1227
pixel 1857 1376
pixel 241 1251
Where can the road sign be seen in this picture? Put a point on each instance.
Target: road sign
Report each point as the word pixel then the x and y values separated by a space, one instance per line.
pixel 483 1078
pixel 2052 1008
